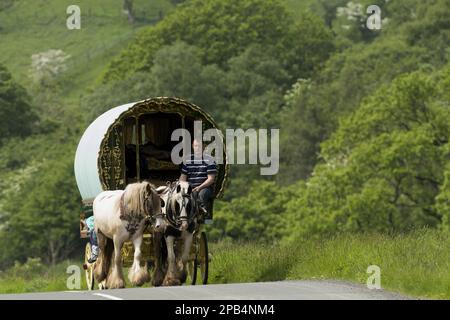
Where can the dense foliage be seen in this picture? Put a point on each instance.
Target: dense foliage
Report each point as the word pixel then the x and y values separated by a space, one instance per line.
pixel 383 168
pixel 16 114
pixel 223 29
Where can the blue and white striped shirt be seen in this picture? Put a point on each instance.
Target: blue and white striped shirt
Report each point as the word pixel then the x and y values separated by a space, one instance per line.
pixel 197 170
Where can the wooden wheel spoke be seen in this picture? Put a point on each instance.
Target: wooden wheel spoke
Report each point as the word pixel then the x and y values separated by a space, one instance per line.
pixel 89 268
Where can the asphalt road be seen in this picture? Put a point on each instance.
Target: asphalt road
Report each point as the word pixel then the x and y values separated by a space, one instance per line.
pixel 282 290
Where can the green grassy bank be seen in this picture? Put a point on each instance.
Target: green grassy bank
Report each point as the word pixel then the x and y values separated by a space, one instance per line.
pixel 416 264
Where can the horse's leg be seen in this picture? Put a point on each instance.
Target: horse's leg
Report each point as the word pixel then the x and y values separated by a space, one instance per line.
pixel 115 279
pixel 100 271
pixel 187 243
pixel 137 274
pixel 158 273
pixel 171 279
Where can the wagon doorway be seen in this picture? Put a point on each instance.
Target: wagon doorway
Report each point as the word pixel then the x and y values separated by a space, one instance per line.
pixel 148 146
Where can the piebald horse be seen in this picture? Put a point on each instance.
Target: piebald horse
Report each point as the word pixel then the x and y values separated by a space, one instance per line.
pixel 181 221
pixel 120 216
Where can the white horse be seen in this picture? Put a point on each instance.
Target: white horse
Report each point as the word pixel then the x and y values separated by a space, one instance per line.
pixel 120 216
pixel 180 211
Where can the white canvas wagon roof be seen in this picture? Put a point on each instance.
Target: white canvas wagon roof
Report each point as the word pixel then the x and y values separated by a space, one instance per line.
pixel 86 157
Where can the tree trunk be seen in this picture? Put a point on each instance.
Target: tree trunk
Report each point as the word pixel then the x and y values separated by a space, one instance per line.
pixel 54 250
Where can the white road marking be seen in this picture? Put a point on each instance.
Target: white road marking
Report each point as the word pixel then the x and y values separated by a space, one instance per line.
pixel 107 296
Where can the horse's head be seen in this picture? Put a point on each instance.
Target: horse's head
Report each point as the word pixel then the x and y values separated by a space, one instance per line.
pixel 153 205
pixel 181 203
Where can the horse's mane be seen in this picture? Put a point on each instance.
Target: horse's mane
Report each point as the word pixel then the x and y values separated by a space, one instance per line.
pixel 135 195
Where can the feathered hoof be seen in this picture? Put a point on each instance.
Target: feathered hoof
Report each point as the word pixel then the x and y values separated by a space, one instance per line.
pixel 182 276
pixel 158 279
pixel 115 283
pixel 99 273
pixel 139 277
pixel 171 281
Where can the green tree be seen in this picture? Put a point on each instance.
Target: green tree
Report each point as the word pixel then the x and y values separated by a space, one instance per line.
pixel 443 198
pixel 222 29
pixel 314 106
pixel 177 71
pixel 16 115
pixel 41 219
pixel 256 216
pixel 255 82
pixel 383 167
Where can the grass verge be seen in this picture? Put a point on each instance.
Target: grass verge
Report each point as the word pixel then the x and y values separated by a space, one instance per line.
pixel 416 264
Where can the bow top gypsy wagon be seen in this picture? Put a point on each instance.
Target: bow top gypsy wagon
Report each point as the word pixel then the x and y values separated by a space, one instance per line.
pixel 132 143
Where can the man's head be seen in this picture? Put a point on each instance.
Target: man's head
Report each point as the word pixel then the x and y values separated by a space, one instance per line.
pixel 197 147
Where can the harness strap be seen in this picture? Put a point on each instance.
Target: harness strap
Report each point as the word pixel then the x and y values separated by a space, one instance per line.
pixel 175 221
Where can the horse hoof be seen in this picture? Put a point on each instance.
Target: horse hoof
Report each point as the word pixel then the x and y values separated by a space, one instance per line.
pixel 158 279
pixel 99 277
pixel 140 277
pixel 115 284
pixel 171 282
pixel 183 276
pixel 157 283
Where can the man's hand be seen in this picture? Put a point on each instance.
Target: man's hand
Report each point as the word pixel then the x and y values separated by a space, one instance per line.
pixel 196 189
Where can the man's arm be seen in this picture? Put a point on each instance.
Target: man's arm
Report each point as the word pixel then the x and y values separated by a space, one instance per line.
pixel 207 183
pixel 184 173
pixel 212 172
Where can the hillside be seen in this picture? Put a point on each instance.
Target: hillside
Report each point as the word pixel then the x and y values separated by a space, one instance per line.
pixel 27 28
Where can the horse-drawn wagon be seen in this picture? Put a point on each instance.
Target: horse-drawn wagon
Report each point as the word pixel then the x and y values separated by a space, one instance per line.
pixel 132 143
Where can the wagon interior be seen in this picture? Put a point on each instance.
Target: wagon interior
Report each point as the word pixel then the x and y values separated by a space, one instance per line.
pixel 147 145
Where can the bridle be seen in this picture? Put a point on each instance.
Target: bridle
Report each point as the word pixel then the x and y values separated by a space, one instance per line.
pixel 149 217
pixel 186 199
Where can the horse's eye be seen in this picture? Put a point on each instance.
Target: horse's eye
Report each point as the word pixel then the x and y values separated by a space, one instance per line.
pixel 162 203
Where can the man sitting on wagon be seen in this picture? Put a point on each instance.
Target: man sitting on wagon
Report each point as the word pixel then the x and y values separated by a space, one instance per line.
pixel 200 171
